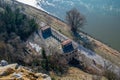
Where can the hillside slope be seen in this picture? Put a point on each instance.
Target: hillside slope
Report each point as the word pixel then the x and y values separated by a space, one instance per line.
pixel 100 48
pixel 54 22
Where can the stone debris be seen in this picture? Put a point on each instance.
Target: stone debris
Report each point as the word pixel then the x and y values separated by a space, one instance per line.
pixel 35 46
pixel 17 75
pixel 16 72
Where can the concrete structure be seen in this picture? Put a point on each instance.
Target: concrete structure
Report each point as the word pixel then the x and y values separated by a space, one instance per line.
pixel 67 46
pixel 56 40
pixel 57 35
pixel 46 32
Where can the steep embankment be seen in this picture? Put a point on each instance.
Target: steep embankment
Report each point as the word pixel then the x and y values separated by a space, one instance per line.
pixel 100 48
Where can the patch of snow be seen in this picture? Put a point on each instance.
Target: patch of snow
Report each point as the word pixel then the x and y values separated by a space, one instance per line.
pixel 31 3
pixel 35 46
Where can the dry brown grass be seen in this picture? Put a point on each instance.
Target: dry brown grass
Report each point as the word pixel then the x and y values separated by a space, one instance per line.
pixel 107 52
pixel 75 74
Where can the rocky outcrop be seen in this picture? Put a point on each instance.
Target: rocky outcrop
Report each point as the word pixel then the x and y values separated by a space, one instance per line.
pixel 16 72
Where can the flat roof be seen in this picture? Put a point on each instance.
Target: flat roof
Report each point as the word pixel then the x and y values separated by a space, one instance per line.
pixel 45 27
pixel 66 42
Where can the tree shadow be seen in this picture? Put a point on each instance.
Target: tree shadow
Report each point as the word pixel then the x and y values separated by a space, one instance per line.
pixel 85 42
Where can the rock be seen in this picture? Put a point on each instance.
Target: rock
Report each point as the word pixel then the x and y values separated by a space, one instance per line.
pixel 3 63
pixel 13 66
pixel 17 75
pixel 6 72
pixel 38 74
pixel 15 72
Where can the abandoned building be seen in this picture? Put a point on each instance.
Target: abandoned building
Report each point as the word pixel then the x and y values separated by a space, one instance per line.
pixel 46 32
pixel 52 38
pixel 67 46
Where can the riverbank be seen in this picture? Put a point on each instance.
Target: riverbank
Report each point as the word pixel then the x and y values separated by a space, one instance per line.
pixel 41 16
pixel 104 26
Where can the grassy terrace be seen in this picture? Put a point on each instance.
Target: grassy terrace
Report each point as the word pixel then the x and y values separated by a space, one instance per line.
pixel 41 16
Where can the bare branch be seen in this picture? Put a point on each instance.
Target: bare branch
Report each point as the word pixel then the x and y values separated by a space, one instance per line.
pixel 74 19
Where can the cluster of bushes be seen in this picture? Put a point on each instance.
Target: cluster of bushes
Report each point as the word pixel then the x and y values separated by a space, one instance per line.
pixel 55 62
pixel 12 21
pixel 15 28
pixel 46 63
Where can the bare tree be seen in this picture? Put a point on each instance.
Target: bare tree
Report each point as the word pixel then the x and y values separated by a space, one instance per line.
pixel 74 19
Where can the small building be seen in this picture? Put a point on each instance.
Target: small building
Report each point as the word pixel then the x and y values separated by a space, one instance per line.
pixel 67 46
pixel 46 31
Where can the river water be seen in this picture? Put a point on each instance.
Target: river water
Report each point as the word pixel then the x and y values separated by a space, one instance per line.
pixel 103 17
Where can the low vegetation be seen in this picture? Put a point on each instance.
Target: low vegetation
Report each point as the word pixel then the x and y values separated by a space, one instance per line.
pixel 55 62
pixel 15 28
pixel 48 63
